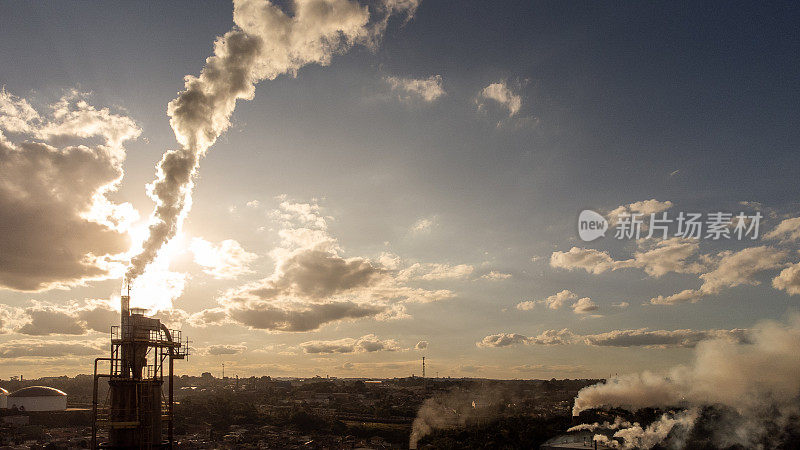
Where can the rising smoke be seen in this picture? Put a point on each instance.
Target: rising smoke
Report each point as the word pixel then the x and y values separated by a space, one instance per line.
pixel 265 43
pixel 454 409
pixel 757 383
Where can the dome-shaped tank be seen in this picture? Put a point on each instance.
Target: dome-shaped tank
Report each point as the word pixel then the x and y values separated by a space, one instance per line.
pixel 38 398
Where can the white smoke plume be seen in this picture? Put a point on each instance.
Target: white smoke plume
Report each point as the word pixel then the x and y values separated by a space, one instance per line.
pixel 265 43
pixel 605 440
pixel 618 423
pixel 671 428
pixel 453 409
pixel 757 379
pixel 674 427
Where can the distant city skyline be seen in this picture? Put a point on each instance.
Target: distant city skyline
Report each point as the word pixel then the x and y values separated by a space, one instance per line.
pixel 396 180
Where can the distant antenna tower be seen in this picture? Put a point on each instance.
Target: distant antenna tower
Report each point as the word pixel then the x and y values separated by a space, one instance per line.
pixel 223 371
pixel 423 367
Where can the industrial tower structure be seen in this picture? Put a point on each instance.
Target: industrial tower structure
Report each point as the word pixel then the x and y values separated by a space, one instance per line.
pixel 135 410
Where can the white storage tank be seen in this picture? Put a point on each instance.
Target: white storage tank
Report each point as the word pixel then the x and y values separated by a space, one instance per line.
pixel 38 398
pixel 3 398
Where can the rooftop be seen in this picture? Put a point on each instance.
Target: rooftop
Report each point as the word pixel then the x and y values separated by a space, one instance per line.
pixel 38 391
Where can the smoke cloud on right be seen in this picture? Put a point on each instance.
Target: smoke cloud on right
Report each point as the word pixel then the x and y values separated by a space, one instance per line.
pixel 734 393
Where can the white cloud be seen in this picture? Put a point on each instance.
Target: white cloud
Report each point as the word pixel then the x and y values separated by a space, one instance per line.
pixel 423 225
pixel 390 260
pixel 643 207
pixel 731 269
pixel 665 256
pixel 496 276
pixel 656 258
pixel 787 231
pixel 424 89
pixel 548 337
pixel 738 268
pixel 500 92
pixel 590 260
pixel 555 301
pixel 16 114
pixel 435 271
pixel 313 284
pixel 421 345
pixel 788 280
pixel 228 260
pixel 584 305
pixel 686 295
pixel 365 344
pixel 502 340
pixel 527 305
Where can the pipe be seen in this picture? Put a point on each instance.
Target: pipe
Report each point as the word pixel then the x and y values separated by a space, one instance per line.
pixel 170 426
pixel 94 400
pixel 170 413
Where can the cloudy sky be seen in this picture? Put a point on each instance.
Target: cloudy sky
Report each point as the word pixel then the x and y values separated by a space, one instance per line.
pixel 333 187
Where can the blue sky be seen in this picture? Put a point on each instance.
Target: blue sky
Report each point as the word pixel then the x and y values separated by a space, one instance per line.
pixel 688 104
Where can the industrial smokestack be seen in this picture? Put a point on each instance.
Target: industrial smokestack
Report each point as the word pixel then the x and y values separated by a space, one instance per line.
pixel 265 43
pixel 134 410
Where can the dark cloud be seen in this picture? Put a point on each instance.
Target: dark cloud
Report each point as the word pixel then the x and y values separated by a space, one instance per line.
pixel 47 320
pixel 173 318
pixel 225 349
pixel 50 349
pixel 44 319
pixel 661 338
pixel 617 338
pixel 58 228
pixel 298 317
pixel 98 316
pixel 317 274
pixel 312 284
pixel 210 316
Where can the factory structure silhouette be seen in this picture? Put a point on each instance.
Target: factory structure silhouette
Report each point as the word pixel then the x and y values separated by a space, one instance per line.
pixel 136 411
